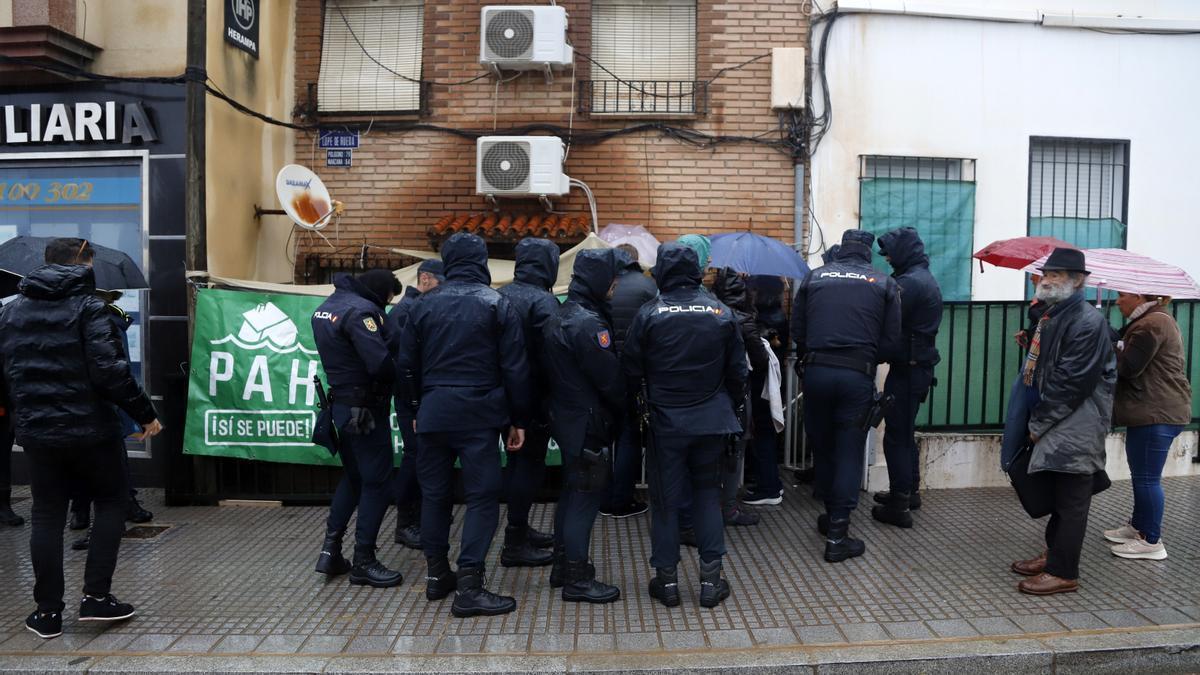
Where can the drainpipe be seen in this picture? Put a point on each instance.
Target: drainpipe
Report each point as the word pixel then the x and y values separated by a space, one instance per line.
pixel 798 210
pixel 196 246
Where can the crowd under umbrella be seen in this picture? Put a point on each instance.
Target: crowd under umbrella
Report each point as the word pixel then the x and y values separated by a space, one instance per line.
pixel 1018 252
pixel 1115 269
pixel 755 254
pixel 114 269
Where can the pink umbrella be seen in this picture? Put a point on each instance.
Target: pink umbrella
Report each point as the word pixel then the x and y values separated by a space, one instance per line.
pixel 1115 269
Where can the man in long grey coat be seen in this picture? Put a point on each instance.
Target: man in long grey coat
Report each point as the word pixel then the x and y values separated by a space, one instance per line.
pixel 1072 365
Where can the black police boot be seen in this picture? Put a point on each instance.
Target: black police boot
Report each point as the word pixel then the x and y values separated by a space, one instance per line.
pixel 839 545
pixel 664 587
pixel 408 535
pixel 331 561
pixel 82 543
pixel 518 551
pixel 823 524
pixel 136 513
pixel 80 520
pixel 713 589
pixel 7 515
pixel 558 573
pixel 368 571
pixel 472 599
pixel 914 499
pixel 582 586
pixel 439 580
pixel 539 539
pixel 895 511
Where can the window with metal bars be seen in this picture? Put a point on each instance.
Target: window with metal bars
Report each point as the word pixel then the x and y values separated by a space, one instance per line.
pixel 643 59
pixel 1078 189
pixel 934 195
pixel 371 56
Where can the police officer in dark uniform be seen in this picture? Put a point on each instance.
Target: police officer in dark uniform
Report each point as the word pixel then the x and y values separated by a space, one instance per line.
pixel 845 321
pixel 910 374
pixel 530 297
pixel 408 488
pixel 465 373
pixel 352 341
pixel 687 348
pixel 586 402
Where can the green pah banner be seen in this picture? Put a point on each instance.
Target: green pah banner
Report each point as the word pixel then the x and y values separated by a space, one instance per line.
pixel 250 391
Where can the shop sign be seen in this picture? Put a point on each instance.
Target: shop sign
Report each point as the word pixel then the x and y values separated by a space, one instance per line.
pixel 250 392
pixel 80 122
pixel 241 25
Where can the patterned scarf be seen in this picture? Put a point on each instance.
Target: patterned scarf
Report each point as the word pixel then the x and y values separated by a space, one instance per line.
pixel 1035 348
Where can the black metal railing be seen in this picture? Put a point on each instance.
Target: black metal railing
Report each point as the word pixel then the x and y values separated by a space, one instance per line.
pixel 643 97
pixel 319 268
pixel 980 360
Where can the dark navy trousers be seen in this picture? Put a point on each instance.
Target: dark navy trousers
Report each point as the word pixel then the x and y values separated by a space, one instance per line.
pixel 675 464
pixel 478 451
pixel 366 478
pixel 835 400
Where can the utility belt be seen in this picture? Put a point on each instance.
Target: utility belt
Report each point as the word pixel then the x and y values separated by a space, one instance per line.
pixel 839 361
pixel 361 397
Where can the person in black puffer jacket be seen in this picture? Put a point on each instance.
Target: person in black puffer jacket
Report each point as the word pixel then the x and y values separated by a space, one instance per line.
pixel 633 290
pixel 64 373
pixel 730 288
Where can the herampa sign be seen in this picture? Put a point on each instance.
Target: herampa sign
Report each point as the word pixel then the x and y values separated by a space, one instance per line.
pixel 251 392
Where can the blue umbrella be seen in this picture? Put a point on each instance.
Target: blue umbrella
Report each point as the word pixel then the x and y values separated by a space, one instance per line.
pixel 751 253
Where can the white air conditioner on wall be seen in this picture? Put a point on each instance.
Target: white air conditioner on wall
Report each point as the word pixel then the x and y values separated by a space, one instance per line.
pixel 524 37
pixel 520 166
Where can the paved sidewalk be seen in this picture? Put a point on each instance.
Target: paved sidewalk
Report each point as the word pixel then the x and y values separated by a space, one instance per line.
pixel 232 589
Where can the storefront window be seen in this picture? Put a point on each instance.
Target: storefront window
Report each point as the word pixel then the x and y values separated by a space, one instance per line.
pixel 100 202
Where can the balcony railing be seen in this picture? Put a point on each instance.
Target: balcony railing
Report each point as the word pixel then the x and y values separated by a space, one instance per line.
pixel 643 97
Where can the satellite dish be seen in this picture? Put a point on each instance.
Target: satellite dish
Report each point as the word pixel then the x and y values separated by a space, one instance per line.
pixel 304 197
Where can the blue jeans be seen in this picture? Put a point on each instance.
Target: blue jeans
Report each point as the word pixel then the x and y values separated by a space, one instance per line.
pixel 1146 447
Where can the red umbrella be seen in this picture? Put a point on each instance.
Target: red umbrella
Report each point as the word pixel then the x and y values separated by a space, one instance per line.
pixel 1018 252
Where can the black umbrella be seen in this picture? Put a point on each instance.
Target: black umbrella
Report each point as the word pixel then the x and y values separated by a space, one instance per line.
pixel 114 269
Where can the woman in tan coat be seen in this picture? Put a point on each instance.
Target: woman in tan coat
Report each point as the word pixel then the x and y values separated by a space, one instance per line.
pixel 1154 401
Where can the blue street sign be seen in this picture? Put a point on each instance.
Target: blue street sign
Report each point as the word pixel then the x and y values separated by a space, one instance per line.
pixel 337 138
pixel 342 158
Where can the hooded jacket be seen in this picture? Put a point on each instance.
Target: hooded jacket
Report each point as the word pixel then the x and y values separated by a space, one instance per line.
pixel 1075 377
pixel 584 374
pixel 463 350
pixel 63 368
pixel 848 308
pixel 688 348
pixel 535 304
pixel 633 290
pixel 351 338
pixel 731 290
pixel 920 298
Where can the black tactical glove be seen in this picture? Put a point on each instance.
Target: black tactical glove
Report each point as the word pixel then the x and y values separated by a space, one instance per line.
pixel 362 422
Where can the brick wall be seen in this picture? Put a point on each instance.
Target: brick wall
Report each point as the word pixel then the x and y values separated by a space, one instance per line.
pixel 402 182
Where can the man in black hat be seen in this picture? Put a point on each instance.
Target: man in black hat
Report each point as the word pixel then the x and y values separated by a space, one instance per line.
pixel 408 489
pixel 1072 366
pixel 845 321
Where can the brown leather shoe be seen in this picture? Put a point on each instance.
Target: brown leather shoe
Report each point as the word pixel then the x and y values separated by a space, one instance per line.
pixel 1047 584
pixel 1032 567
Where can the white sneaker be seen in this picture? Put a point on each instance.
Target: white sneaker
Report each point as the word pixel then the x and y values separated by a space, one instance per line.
pixel 1138 549
pixel 1123 534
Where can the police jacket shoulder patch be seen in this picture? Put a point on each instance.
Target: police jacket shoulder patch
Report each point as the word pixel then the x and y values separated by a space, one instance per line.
pixel 604 339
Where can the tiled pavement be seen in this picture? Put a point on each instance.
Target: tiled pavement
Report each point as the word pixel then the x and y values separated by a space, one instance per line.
pixel 235 585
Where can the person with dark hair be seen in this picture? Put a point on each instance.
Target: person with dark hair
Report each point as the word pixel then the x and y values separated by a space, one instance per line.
pixel 634 289
pixel 730 288
pixel 845 321
pixel 63 375
pixel 408 488
pixel 351 339
pixel 531 298
pixel 686 347
pixel 464 373
pixel 586 400
pixel 911 373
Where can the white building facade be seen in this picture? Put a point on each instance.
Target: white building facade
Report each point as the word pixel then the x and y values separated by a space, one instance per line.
pixel 985 121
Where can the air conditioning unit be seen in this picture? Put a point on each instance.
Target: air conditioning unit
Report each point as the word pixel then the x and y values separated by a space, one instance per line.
pixel 524 37
pixel 521 166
